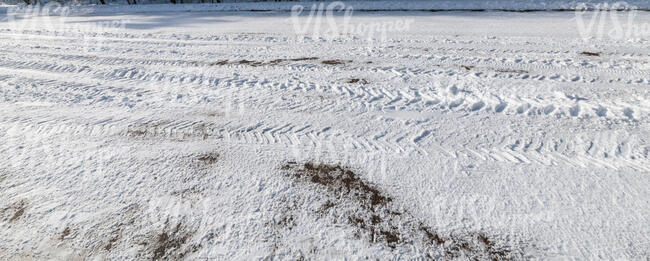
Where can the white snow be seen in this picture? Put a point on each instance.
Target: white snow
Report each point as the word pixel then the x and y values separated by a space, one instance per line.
pixel 171 134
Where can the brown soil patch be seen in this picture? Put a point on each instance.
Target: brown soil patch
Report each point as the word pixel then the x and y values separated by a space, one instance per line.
pixel 18 210
pixel 253 63
pixel 355 80
pixel 171 244
pixel 335 62
pixel 511 71
pixel 222 62
pixel 303 59
pixel 112 241
pixel 377 219
pixel 467 67
pixel 209 158
pixel 341 180
pixel 590 54
pixel 65 233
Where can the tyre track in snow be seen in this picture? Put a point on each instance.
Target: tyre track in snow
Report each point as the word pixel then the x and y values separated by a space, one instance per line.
pixel 78 70
pixel 137 76
pixel 268 136
pixel 142 73
pixel 623 152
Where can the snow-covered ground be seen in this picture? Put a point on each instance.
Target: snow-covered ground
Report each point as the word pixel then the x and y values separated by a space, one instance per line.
pixel 253 135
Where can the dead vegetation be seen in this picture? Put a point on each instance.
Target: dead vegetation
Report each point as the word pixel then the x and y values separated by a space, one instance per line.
pixel 171 243
pixel 341 180
pixel 158 129
pixel 65 233
pixel 146 130
pixel 250 63
pixel 500 70
pixel 123 230
pixel 468 67
pixel 274 62
pixel 511 71
pixel 253 63
pixel 117 223
pixel 356 80
pixel 15 211
pixel 378 220
pixel 201 164
pixel 590 54
pixel 208 158
pixel 335 62
pixel 222 62
pixel 115 237
pixel 187 192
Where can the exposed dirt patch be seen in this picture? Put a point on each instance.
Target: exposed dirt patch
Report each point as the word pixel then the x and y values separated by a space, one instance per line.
pixel 253 63
pixel 208 158
pixel 115 236
pixel 341 180
pixel 250 63
pixel 171 243
pixel 468 67
pixel 279 61
pixel 160 129
pixel 148 129
pixel 590 54
pixel 222 62
pixel 15 211
pixel 65 233
pixel 304 59
pixel 511 71
pixel 378 220
pixel 327 206
pixel 335 62
pixel 356 80
pixel 122 222
pixel 187 192
pixel 136 133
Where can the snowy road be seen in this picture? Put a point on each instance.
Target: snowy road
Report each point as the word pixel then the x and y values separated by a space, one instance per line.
pixel 190 135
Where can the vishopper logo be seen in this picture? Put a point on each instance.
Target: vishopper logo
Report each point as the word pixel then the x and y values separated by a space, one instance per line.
pixel 609 21
pixel 334 22
pixel 53 19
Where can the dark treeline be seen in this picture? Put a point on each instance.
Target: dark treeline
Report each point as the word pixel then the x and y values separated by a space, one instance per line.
pixel 131 2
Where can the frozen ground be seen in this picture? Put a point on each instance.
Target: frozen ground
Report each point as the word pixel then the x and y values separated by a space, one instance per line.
pixel 204 136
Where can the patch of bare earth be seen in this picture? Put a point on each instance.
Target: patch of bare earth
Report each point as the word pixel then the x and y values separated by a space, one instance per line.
pixel 157 129
pixel 590 54
pixel 254 63
pixel 15 211
pixel 171 243
pixel 511 71
pixel 500 70
pixel 467 67
pixel 65 233
pixel 335 62
pixel 377 219
pixel 358 81
pixel 208 158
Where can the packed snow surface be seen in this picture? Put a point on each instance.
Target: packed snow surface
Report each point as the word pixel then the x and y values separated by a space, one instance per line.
pixel 236 135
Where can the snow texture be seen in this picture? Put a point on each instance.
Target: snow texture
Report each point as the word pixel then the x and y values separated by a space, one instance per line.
pixel 253 135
